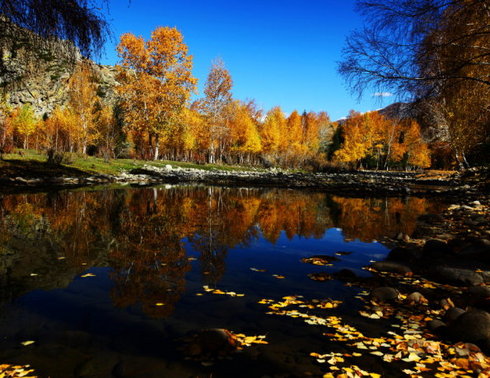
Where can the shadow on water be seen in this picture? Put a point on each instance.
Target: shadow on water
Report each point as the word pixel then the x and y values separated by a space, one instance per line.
pixel 148 252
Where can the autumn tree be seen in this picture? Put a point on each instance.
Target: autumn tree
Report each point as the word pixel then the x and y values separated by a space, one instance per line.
pixel 417 152
pixel 108 134
pixel 198 133
pixel 24 122
pixel 245 138
pixel 214 106
pixel 292 145
pixel 326 130
pixel 82 100
pixel 156 83
pixel 311 131
pixel 6 132
pixel 59 129
pixel 355 146
pixel 270 131
pixel 372 140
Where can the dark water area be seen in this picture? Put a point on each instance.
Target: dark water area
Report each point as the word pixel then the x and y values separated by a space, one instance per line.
pixel 110 282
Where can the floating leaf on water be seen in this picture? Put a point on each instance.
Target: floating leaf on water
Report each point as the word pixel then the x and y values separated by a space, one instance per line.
pixel 320 276
pixel 159 304
pixel 319 260
pixel 28 342
pixel 411 372
pixel 249 340
pixel 33 274
pixel 88 275
pixel 278 276
pixel 13 371
pixel 258 270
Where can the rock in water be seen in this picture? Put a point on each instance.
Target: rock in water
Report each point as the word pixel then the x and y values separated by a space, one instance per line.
pixel 453 313
pixel 210 343
pixel 459 276
pixel 384 294
pixel 472 326
pixel 416 298
pixel 434 248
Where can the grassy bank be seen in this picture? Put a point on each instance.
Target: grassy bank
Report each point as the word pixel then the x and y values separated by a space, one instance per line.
pixel 30 163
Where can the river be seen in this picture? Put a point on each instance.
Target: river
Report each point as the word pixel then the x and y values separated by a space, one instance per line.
pixel 115 281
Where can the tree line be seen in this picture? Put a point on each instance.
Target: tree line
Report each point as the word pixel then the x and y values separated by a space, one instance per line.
pixel 153 117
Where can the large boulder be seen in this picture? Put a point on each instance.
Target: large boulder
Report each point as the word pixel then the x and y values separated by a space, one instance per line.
pixel 457 276
pixel 472 326
pixel 405 254
pixel 453 313
pixel 471 248
pixel 435 248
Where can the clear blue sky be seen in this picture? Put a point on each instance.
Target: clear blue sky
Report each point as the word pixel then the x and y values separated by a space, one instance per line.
pixel 278 52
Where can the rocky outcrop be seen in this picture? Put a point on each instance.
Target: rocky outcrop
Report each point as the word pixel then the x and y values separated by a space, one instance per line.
pixel 39 77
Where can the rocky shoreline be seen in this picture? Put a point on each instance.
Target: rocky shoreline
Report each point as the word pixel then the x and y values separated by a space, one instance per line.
pixel 440 275
pixel 382 183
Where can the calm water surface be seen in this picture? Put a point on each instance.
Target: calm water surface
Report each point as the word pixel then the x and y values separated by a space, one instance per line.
pixel 109 282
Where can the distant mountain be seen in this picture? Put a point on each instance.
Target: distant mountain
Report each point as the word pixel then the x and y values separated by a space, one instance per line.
pixel 399 110
pixel 432 130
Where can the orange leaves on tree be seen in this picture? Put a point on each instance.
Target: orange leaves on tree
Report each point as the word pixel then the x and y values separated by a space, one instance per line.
pixel 155 83
pixel 381 142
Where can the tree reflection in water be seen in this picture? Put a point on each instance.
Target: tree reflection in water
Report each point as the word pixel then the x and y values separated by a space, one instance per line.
pixel 141 234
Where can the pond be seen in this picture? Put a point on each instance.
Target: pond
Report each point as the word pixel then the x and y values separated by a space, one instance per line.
pixel 122 282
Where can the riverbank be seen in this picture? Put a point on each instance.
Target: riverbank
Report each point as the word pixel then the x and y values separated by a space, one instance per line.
pixel 34 173
pixel 437 283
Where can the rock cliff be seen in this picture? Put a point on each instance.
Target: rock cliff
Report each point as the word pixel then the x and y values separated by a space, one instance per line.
pixel 40 77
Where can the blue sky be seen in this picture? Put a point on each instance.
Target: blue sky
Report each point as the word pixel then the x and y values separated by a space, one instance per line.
pixel 278 52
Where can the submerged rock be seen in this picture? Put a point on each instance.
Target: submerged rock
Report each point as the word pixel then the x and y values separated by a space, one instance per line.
pixel 391 267
pixel 384 294
pixel 404 254
pixel 210 343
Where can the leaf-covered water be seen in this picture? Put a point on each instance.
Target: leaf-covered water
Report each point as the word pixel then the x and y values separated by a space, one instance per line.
pixel 119 282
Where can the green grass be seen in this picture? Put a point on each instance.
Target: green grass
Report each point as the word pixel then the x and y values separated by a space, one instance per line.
pixel 92 165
